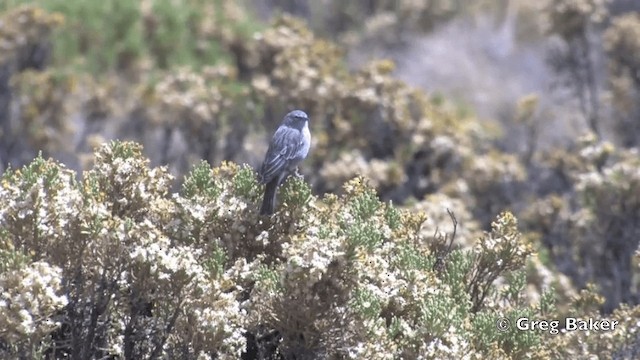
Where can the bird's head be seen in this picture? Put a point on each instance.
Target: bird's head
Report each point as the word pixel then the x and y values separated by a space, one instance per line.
pixel 296 118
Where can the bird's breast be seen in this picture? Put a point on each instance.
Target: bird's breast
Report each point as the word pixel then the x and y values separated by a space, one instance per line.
pixel 307 139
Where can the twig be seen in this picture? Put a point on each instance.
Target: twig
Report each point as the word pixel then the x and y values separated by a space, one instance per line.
pixel 442 255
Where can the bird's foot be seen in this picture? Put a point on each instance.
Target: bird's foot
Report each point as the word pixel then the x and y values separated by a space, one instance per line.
pixel 297 174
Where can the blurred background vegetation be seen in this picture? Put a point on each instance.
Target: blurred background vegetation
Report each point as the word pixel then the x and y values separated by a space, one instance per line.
pixel 477 106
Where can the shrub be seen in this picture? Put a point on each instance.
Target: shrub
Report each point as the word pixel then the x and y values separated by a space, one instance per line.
pixel 122 267
pixel 121 285
pixel 593 236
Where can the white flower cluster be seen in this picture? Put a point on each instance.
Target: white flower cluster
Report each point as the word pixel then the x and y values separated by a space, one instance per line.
pixel 29 300
pixel 217 318
pixel 54 203
pixel 120 232
pixel 308 258
pixel 504 242
pixel 596 152
pixel 623 175
pixel 449 348
pixel 166 260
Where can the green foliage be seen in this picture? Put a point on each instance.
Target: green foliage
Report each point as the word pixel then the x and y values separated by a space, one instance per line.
pixel 122 150
pixel 200 182
pixel 268 278
pixel 547 302
pixel 363 235
pixel 409 259
pixel 393 216
pixel 365 205
pixel 514 342
pixel 177 23
pixel 366 303
pixel 458 266
pixel 360 229
pixel 517 281
pixel 439 312
pixel 116 35
pixel 10 258
pixel 39 169
pixel 296 194
pixel 244 182
pixel 216 262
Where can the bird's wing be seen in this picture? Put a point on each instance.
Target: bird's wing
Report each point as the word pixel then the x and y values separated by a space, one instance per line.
pixel 284 147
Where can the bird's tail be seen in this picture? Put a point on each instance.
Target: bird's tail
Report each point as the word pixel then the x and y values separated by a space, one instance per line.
pixel 269 199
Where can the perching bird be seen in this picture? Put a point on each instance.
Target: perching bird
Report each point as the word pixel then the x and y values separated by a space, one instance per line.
pixel 289 145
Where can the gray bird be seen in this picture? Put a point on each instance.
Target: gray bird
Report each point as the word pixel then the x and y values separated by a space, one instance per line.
pixel 289 145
